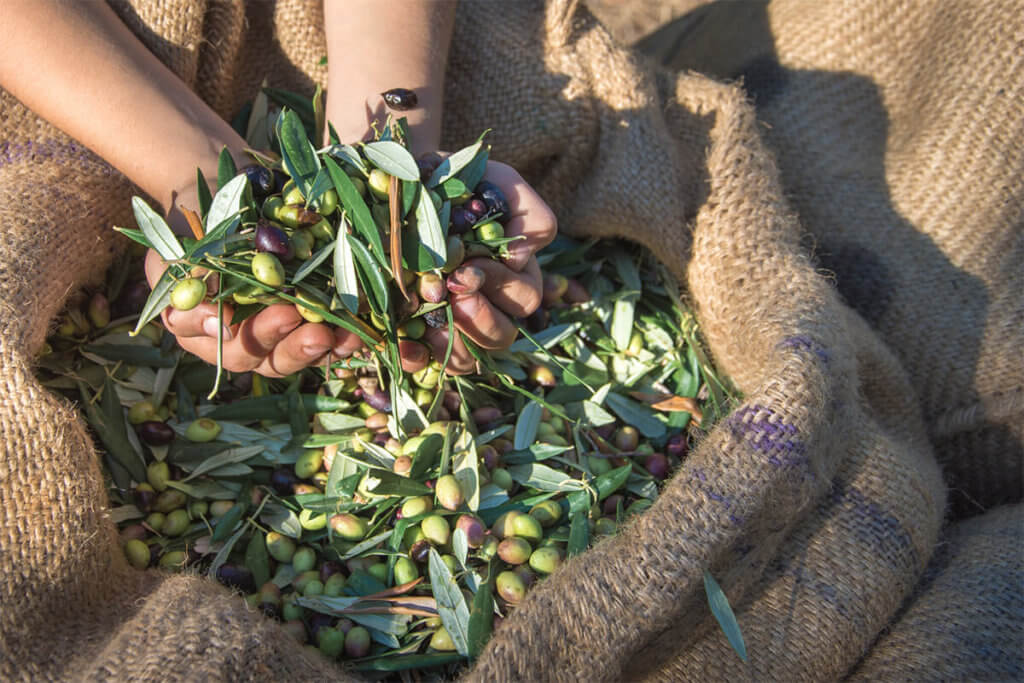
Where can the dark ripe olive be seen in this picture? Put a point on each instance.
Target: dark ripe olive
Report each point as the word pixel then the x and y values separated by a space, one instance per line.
pixel 485 415
pixel 283 480
pixel 261 179
pixel 318 621
pixel 462 220
pixel 156 433
pixel 400 99
pixel 329 569
pixel 490 456
pixel 538 320
pixel 234 576
pixel 477 206
pixel 271 610
pixel 611 504
pixel 131 299
pixel 657 464
pixel 436 318
pixel 605 431
pixel 576 293
pixel 677 445
pixel 280 179
pixel 379 400
pixel 452 401
pixel 473 528
pixel 554 287
pixel 427 164
pixel 273 239
pixel 144 496
pixel 494 198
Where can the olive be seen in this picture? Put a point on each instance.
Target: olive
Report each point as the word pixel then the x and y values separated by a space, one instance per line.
pixel 491 230
pixel 501 478
pixel 155 520
pixel 462 220
pixel 442 640
pixel 456 254
pixel 234 576
pixel 477 206
pixel 489 455
pixel 302 241
pixel 413 329
pixel 605 526
pixel 267 269
pixel 131 299
pixel 493 197
pixel 598 465
pixel 172 561
pixel 400 99
pixel 272 239
pixel 176 522
pixel 489 548
pixel 547 512
pixel 322 231
pixel 402 465
pixel 280 547
pixel 677 445
pixel 357 642
pixel 510 587
pixel 188 294
pixel 542 376
pixel 141 411
pixel 576 293
pixel 348 526
pixel 137 553
pixel 503 527
pixel 135 532
pixel 449 492
pixel 260 179
pixel 431 288
pixel 291 194
pixel 169 500
pixel 657 464
pixel 328 203
pixel 283 480
pixel 473 528
pixel 420 550
pixel 304 559
pixel 514 550
pixel 527 526
pixel 156 433
pixel 219 508
pixel 308 463
pixel 157 474
pixel 330 641
pixel 99 310
pixel 334 585
pixel 486 415
pixel 379 181
pixel 545 560
pixel 436 318
pixel 417 506
pixel 435 529
pixel 312 588
pixel 302 579
pixel 312 521
pixel 202 430
pixel 610 506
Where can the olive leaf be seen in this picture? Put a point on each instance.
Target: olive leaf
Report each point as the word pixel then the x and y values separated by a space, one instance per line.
pixel 297 154
pixel 314 262
pixel 467 472
pixel 135 236
pixel 636 414
pixel 156 230
pixel 460 546
pixel 222 555
pixel 455 163
pixel 625 306
pixel 392 158
pixel 256 134
pixel 481 618
pixel 544 478
pixel 526 425
pixel 228 457
pixel 300 105
pixel 346 282
pixel 723 613
pixel 203 193
pixel 428 226
pixel 546 338
pixel 451 603
pixel 357 211
pixel 339 422
pixel 257 560
pixel 282 520
pixel 227 202
pixel 321 183
pixel 370 275
pixel 579 535
pixel 452 188
pixel 611 481
pixel 384 483
pixel 226 169
pixel 350 155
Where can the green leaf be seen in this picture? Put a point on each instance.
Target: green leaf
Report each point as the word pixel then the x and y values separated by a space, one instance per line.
pixel 300 104
pixel 149 356
pixel 429 231
pixel 452 188
pixel 384 483
pixel 313 262
pixel 107 418
pixel 367 544
pixel 547 338
pixel 227 202
pixel 460 546
pixel 390 663
pixel 156 230
pixel 346 281
pixel 723 613
pixel 319 115
pixel 256 559
pixel 321 184
pixel 374 282
pixel 451 604
pixel 481 619
pixel 426 455
pixel 340 422
pixel 282 520
pixel 297 154
pixel 350 155
pixel 636 414
pixel 393 159
pixel 222 555
pixel 467 472
pixel 203 192
pixel 535 453
pixel 474 171
pixel 357 210
pixel 526 425
pixel 596 415
pixel 579 535
pixel 135 235
pixel 625 306
pixel 230 456
pixel 256 133
pixel 204 490
pixel 455 163
pixel 611 481
pixel 226 169
pixel 544 478
pixel 226 524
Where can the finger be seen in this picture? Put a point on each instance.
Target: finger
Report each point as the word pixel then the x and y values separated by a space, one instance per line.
pixel 516 293
pixel 345 343
pixel 529 215
pixel 303 347
pixel 482 322
pixel 461 361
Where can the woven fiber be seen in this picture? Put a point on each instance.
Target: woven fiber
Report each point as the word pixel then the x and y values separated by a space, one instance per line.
pixel 816 504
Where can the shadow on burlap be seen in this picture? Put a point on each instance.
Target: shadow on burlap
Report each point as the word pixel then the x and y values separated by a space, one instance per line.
pixel 816 504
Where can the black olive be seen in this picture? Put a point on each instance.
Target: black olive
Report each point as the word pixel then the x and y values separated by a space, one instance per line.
pixel 400 99
pixel 462 220
pixel 494 198
pixel 261 179
pixel 156 433
pixel 273 239
pixel 436 318
pixel 236 577
pixel 283 479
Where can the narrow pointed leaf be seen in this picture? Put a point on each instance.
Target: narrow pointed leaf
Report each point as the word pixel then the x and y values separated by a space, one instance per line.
pixel 393 159
pixel 226 169
pixel 350 155
pixel 636 414
pixel 429 230
pixel 297 154
pixel 723 613
pixel 455 163
pixel 156 230
pixel 313 262
pixel 227 202
pixel 346 281
pixel 159 299
pixel 451 604
pixel 203 192
pixel 356 208
pixel 526 425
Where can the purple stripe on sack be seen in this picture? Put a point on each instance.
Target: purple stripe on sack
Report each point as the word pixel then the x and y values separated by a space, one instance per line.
pixel 13 153
pixel 802 342
pixel 725 501
pixel 762 429
pixel 877 527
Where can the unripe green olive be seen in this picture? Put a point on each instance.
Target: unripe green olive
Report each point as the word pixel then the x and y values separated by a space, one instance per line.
pixel 176 523
pixel 219 508
pixel 280 547
pixel 510 587
pixel 172 561
pixel 379 571
pixel 605 526
pixel 435 529
pixel 137 553
pixel 442 640
pixel 188 294
pixel 514 550
pixel 357 642
pixel 489 548
pixel 501 478
pixel 302 579
pixel 504 526
pixel 379 181
pixel 449 492
pixel 545 560
pixel 202 430
pixel 302 242
pixel 313 587
pixel 330 641
pixel 348 526
pixel 169 500
pixel 328 202
pixel 491 230
pixel 598 466
pixel 141 411
pixel 155 521
pixel 267 269
pixel 417 506
pixel 405 571
pixel 309 314
pixel 291 194
pixel 312 521
pixel 526 526
pixel 334 584
pixel 304 559
pixel 308 463
pixel 547 512
pixel 157 474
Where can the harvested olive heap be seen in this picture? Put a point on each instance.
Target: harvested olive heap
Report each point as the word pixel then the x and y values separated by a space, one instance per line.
pixel 387 520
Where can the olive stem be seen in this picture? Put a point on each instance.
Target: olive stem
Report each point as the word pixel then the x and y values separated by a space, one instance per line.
pixel 220 349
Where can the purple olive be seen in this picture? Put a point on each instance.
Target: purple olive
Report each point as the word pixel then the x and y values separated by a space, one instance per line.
pixel 273 239
pixel 486 415
pixel 283 480
pixel 427 164
pixel 494 198
pixel 329 569
pixel 462 220
pixel 156 433
pixel 234 576
pixel 436 318
pixel 677 445
pixel 477 207
pixel 379 400
pixel 420 550
pixel 657 464
pixel 261 179
pixel 131 299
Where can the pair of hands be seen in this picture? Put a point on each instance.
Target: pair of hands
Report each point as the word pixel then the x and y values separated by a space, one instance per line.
pixel 278 341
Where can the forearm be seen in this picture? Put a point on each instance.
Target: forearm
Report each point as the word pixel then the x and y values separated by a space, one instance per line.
pixel 78 66
pixel 373 46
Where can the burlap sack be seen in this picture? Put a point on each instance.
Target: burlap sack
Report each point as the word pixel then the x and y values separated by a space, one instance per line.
pixel 816 503
pixel 897 129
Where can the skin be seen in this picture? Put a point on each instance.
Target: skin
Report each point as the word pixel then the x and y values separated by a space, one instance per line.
pixel 142 119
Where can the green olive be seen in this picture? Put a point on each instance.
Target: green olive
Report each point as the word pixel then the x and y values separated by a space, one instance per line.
pixel 141 411
pixel 405 571
pixel 304 559
pixel 308 313
pixel 312 521
pixel 188 294
pixel 173 561
pixel 176 523
pixel 137 553
pixel 157 474
pixel 545 560
pixel 435 529
pixel 280 547
pixel 268 269
pixel 308 463
pixel 202 430
pixel 334 584
pixel 442 640
pixel 348 526
pixel 491 230
pixel 379 181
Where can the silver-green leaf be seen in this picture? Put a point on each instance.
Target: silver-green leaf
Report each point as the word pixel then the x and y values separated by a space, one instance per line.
pixel 156 230
pixel 451 604
pixel 392 158
pixel 346 280
pixel 430 232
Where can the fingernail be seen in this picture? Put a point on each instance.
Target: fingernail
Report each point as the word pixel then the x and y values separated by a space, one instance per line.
pixel 210 327
pixel 315 350
pixel 466 280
